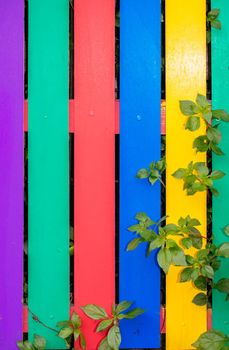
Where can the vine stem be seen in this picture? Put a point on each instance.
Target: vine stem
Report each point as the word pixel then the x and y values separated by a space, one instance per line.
pixel 35 318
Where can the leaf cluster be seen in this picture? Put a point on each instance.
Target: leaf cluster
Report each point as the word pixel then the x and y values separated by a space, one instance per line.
pixel 72 329
pixel 201 271
pixel 201 110
pixel 39 343
pixel 154 173
pixel 162 239
pixel 198 178
pixel 110 324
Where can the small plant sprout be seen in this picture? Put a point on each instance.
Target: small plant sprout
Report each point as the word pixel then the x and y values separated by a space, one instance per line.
pixel 212 339
pixel 71 329
pixel 154 173
pixel 39 343
pixel 110 324
pixel 198 178
pixel 201 110
pixel 212 22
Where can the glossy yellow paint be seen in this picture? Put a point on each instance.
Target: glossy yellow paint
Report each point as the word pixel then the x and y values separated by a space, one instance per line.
pixel 185 77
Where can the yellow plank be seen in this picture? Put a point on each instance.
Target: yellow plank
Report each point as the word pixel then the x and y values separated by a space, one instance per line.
pixel 185 77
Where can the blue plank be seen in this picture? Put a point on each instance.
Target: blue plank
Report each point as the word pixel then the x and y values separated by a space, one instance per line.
pixel 140 94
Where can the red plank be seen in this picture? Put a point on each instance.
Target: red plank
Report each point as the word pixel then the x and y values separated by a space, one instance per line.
pixel 117 108
pixel 94 162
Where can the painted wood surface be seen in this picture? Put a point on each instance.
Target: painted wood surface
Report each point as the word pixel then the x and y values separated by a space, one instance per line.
pixel 94 159
pixel 48 167
pixel 220 91
pixel 139 277
pixel 185 77
pixel 11 173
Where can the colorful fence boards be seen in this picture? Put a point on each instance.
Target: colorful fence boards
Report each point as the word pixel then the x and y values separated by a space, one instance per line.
pixel 139 278
pixel 94 117
pixel 185 77
pixel 94 155
pixel 11 173
pixel 220 89
pixel 48 251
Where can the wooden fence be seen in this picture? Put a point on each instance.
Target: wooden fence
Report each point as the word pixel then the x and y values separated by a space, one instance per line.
pixel 93 118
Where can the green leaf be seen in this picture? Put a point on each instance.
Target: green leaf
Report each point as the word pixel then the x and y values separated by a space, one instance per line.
pixel 66 323
pixel 186 242
pixel 200 299
pixel 156 243
pixel 142 174
pixel 164 259
pixel 28 345
pixel 104 345
pixel 201 283
pixel 226 230
pixel 222 285
pixel 201 143
pixel 20 345
pixel 171 228
pixel 193 123
pixel 217 174
pixel 76 321
pixel 76 334
pixel 194 222
pixel 211 340
pixel 223 250
pixel 142 217
pixel 186 274
pixel 114 337
pixel 216 24
pixel 104 325
pixel 207 116
pixel 214 135
pixel 214 13
pixel 134 244
pixel 214 191
pixel 94 311
pixel 178 257
pixel 132 313
pixel 153 179
pixel 188 107
pixel 39 342
pixel 220 114
pixel 216 149
pixel 65 332
pixel 202 101
pixel 82 341
pixel 124 305
pixel 207 271
pixel 180 173
pixel 196 242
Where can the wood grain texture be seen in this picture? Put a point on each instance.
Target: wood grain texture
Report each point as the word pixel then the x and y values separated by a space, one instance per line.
pixel 139 277
pixel 220 90
pixel 185 77
pixel 94 159
pixel 11 171
pixel 48 250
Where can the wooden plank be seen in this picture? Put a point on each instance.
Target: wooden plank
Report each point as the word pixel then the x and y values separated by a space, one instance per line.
pixel 139 279
pixel 185 77
pixel 48 167
pixel 94 158
pixel 11 173
pixel 220 90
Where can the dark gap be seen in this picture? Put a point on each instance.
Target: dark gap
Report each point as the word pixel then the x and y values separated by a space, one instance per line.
pixel 71 207
pixel 209 154
pixel 117 218
pixel 25 262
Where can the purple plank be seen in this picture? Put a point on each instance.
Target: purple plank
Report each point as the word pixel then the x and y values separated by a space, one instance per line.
pixel 11 171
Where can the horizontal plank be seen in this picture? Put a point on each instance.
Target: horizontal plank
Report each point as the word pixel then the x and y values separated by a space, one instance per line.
pixel 163 317
pixel 71 117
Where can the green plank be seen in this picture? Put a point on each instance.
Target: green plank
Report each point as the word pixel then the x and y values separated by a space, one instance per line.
pixel 48 167
pixel 220 93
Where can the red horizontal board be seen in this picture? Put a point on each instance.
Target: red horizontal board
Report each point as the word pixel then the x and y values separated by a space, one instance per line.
pixel 117 109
